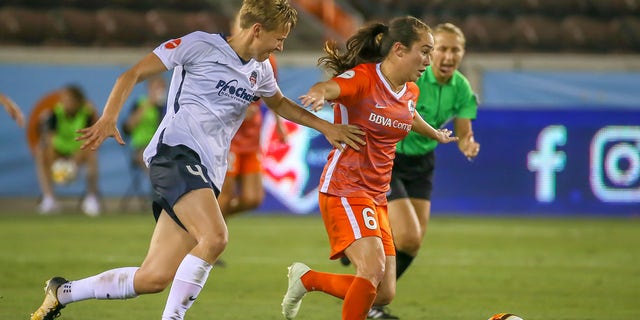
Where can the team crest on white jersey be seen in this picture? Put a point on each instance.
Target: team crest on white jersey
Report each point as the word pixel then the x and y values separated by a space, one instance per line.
pixel 253 78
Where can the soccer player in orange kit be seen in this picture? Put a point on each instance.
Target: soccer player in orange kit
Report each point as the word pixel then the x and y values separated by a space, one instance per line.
pixel 373 89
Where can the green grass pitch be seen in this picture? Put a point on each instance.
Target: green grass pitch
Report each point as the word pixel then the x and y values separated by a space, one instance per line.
pixel 469 268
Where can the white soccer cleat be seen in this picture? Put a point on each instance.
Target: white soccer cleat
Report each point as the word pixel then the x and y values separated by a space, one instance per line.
pixel 48 206
pixel 293 298
pixel 91 205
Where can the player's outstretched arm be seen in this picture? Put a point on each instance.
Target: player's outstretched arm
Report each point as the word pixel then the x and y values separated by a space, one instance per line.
pixel 319 93
pixel 422 127
pixel 467 144
pixel 12 109
pixel 337 134
pixel 106 126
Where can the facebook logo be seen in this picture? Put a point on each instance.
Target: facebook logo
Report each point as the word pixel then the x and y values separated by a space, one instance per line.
pixel 547 160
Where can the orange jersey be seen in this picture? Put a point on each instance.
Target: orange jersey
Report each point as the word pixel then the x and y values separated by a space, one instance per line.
pixel 367 101
pixel 247 139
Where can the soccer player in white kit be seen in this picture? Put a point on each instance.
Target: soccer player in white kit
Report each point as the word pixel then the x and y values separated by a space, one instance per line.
pixel 215 78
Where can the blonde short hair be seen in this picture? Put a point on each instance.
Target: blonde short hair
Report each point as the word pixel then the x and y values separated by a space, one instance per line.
pixel 271 14
pixel 450 28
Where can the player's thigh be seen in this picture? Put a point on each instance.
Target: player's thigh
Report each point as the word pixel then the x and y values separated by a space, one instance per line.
pixel 403 219
pixel 349 220
pixel 251 187
pixel 423 213
pixel 183 191
pixel 49 154
pixel 368 257
pixel 169 245
pixel 200 214
pixel 251 192
pixel 228 190
pixel 86 157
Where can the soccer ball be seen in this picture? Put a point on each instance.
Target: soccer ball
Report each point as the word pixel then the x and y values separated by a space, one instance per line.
pixel 505 316
pixel 63 171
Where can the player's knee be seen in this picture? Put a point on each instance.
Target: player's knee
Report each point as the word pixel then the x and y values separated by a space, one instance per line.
pixel 215 242
pixel 409 243
pixel 152 281
pixel 156 287
pixel 373 272
pixel 384 298
pixel 250 203
pixel 254 203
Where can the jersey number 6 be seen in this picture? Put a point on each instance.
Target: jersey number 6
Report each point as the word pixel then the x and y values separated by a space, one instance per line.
pixel 369 220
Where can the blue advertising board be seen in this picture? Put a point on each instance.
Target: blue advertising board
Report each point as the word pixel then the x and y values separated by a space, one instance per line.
pixel 531 162
pixel 550 162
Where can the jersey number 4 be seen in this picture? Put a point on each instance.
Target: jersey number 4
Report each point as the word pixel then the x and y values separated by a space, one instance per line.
pixel 196 170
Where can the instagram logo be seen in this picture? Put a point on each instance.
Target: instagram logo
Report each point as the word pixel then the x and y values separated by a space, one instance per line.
pixel 615 164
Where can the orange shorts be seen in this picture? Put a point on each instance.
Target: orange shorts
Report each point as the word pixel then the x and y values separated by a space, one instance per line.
pixel 349 219
pixel 243 163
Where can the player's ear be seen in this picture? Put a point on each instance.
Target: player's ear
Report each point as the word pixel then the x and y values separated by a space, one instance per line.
pixel 257 29
pixel 399 49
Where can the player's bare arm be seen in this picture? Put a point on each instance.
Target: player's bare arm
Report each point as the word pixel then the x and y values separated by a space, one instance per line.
pixel 319 93
pixel 12 109
pixel 336 134
pixel 422 127
pixel 106 126
pixel 467 144
pixel 281 129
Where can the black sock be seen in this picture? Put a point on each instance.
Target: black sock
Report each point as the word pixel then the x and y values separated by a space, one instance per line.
pixel 403 260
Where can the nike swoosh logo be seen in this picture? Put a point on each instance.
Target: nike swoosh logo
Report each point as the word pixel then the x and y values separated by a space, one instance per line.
pixel 379 106
pixel 191 298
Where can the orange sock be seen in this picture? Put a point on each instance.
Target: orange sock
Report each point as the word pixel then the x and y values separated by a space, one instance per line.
pixel 334 284
pixel 358 299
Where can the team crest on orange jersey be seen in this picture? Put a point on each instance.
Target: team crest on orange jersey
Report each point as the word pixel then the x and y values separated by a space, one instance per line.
pixel 172 44
pixel 411 106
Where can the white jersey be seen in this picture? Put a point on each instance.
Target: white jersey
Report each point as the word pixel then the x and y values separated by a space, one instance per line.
pixel 210 91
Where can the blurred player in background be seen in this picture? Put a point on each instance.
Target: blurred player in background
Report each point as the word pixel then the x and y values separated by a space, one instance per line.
pixel 372 88
pixel 12 109
pixel 242 189
pixel 145 116
pixel 445 94
pixel 58 155
pixel 215 78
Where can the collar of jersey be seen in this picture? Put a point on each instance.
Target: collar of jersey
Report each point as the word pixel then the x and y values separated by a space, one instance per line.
pixel 224 36
pixel 432 78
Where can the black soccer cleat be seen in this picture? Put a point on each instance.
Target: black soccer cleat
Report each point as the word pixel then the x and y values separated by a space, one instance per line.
pixel 380 313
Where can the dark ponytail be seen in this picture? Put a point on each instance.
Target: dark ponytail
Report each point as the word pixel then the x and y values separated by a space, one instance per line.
pixel 372 43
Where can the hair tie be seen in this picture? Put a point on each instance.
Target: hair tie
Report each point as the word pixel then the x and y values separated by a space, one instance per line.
pixel 383 29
